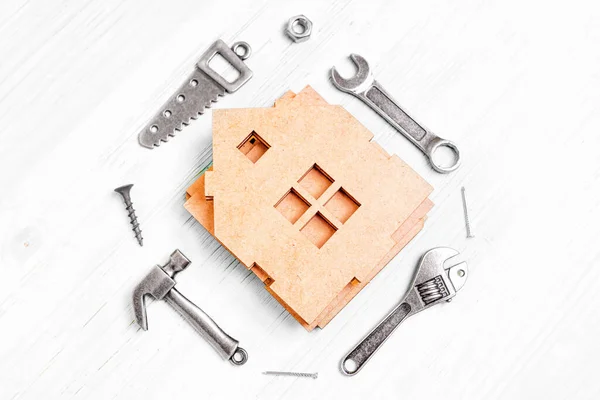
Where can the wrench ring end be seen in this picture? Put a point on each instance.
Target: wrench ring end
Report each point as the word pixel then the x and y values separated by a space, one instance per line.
pixel 352 368
pixel 444 143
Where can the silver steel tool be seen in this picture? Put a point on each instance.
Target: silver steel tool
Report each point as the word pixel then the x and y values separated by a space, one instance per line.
pixel 200 90
pixel 364 86
pixel 125 192
pixel 314 375
pixel 433 283
pixel 160 284
pixel 466 211
pixel 299 28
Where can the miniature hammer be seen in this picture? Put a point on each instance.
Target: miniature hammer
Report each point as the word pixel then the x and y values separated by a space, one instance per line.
pixel 159 283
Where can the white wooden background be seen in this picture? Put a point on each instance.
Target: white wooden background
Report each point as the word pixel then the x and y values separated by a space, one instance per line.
pixel 515 83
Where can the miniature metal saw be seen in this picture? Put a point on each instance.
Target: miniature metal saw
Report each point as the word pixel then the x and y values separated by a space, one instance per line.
pixel 198 92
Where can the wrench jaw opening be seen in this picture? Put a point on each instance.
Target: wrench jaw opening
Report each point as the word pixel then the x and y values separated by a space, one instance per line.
pixel 357 84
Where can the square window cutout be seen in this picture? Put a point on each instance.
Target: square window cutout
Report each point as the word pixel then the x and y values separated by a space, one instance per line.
pixel 292 206
pixel 318 230
pixel 342 205
pixel 253 147
pixel 315 181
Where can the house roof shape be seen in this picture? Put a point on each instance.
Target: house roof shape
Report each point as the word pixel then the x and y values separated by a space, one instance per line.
pixel 303 197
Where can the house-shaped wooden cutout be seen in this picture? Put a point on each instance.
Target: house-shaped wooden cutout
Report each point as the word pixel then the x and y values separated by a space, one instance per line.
pixel 301 196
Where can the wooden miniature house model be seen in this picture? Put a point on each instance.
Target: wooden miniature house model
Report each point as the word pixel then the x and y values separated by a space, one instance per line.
pixel 302 197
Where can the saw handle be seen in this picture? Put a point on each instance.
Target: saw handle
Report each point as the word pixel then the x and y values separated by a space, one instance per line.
pixel 224 344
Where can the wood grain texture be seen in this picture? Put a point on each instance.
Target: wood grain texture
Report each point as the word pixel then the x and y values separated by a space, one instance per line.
pixel 514 83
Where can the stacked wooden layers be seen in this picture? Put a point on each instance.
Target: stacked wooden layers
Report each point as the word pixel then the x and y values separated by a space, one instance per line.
pixel 303 198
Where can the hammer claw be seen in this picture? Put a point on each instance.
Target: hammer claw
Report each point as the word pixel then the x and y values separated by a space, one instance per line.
pixel 139 307
pixel 156 284
pixel 159 283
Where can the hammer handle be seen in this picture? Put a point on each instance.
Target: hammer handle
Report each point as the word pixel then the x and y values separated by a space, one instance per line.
pixel 224 344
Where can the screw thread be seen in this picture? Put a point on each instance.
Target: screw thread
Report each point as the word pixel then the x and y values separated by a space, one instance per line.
pixel 124 192
pixel 134 223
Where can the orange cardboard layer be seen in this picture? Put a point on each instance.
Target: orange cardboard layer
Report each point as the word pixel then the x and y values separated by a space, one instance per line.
pixel 302 197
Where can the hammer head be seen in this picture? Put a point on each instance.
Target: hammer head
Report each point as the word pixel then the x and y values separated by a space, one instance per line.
pixel 157 284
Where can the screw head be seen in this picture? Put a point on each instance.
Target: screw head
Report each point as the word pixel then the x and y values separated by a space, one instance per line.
pixel 124 190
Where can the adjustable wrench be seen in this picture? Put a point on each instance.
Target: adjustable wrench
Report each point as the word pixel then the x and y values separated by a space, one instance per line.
pixel 433 284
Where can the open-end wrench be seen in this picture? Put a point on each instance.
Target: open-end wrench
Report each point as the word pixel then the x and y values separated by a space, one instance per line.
pixel 433 283
pixel 364 86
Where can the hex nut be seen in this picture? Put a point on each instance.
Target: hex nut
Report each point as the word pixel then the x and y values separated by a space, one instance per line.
pixel 305 25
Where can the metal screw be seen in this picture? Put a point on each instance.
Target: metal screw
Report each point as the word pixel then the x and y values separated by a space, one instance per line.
pixel 124 191
pixel 296 374
pixel 467 223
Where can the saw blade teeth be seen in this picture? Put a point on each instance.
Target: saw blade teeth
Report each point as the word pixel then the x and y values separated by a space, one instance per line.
pixel 198 92
pixel 188 103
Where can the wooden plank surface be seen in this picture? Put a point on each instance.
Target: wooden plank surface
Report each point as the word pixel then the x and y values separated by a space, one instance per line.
pixel 514 83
